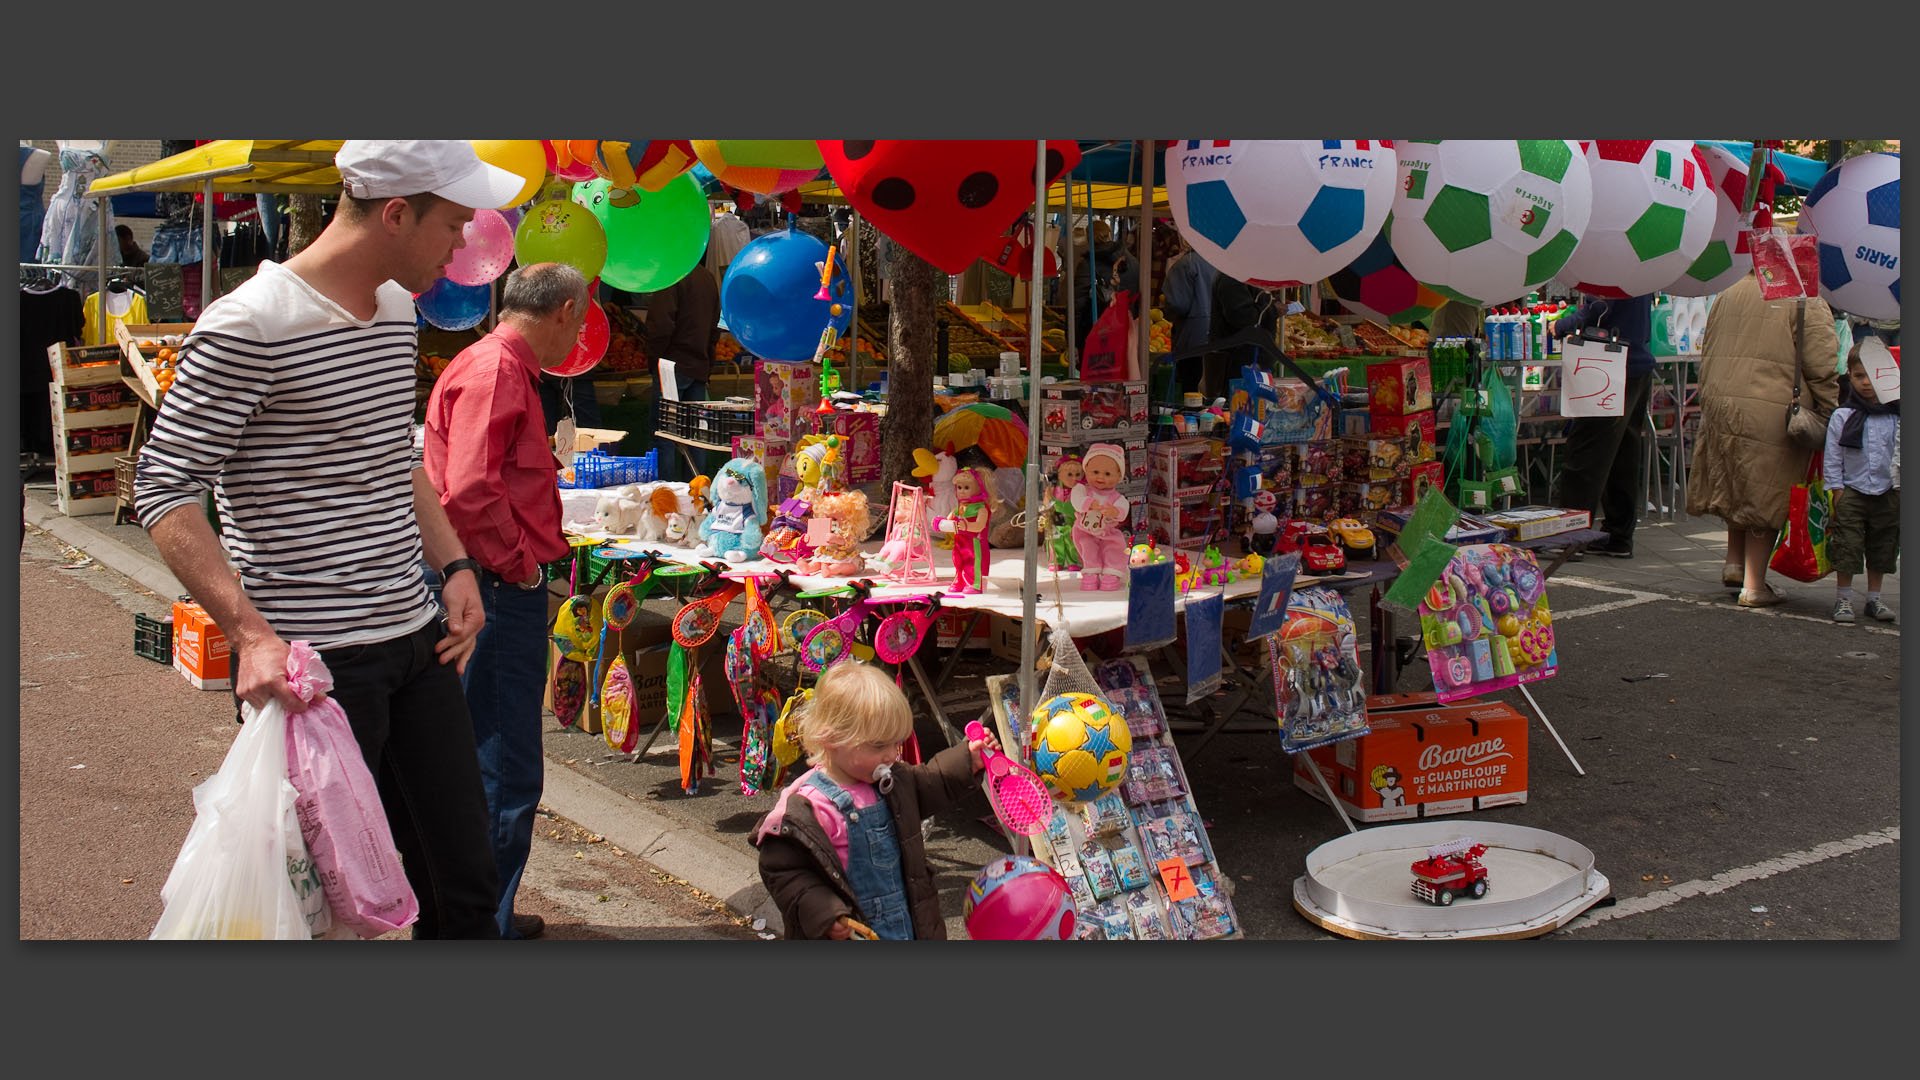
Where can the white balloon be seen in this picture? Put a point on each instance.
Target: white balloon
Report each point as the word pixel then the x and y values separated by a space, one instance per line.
pixel 1279 211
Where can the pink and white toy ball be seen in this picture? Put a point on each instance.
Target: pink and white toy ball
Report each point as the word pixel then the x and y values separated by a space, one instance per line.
pixel 1016 898
pixel 1855 210
pixel 1483 221
pixel 1279 211
pixel 488 250
pixel 1653 213
pixel 1727 257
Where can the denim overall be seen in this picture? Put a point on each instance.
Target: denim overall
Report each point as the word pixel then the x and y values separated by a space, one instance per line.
pixel 873 862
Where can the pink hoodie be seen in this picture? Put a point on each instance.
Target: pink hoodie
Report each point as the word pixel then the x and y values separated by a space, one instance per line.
pixel 829 816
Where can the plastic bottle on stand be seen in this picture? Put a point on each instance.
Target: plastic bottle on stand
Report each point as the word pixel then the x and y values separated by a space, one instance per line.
pixel 1699 328
pixel 1661 335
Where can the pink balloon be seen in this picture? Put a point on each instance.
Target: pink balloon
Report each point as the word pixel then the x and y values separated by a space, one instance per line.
pixel 591 346
pixel 488 252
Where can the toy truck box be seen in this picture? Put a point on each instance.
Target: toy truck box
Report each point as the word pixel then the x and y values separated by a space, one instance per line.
pixel 1425 762
pixel 1186 467
pixel 1074 413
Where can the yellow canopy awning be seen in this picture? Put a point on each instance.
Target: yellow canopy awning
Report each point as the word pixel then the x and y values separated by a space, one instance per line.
pixel 249 166
pixel 1105 196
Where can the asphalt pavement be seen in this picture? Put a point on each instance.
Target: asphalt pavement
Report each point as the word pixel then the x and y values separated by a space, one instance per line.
pixel 1750 791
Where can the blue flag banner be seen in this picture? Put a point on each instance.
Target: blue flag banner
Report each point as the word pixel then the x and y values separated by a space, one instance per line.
pixel 1276 588
pixel 1205 616
pixel 1150 607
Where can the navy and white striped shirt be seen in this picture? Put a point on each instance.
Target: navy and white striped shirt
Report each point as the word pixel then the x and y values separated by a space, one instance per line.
pixel 299 417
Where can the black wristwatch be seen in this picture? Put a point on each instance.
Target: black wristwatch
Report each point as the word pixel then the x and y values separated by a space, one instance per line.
pixel 457 565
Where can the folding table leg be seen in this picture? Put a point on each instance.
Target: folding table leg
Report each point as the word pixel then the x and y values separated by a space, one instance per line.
pixel 1541 713
pixel 1314 768
pixel 955 736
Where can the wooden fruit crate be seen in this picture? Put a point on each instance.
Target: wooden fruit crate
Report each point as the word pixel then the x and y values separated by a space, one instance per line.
pixel 136 362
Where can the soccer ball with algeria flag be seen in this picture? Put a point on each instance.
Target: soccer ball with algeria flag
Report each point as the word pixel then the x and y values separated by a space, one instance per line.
pixel 1653 213
pixel 1483 221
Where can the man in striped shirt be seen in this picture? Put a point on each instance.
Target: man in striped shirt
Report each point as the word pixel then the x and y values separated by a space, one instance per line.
pixel 294 403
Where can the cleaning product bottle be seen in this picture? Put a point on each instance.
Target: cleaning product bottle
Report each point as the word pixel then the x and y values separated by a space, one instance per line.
pixel 1699 330
pixel 1660 339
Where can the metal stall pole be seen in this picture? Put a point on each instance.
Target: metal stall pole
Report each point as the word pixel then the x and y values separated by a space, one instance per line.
pixel 1072 352
pixel 1029 587
pixel 207 272
pixel 1145 255
pixel 853 324
pixel 101 203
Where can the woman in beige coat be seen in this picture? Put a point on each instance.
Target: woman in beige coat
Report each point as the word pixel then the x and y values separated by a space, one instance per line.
pixel 1743 463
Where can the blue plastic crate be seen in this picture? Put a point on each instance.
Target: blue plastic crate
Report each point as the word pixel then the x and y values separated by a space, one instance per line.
pixel 599 469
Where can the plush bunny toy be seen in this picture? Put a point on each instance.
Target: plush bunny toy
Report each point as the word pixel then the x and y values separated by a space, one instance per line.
pixel 732 530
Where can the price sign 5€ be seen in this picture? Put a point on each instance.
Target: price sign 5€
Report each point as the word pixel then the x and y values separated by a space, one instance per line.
pixel 1593 378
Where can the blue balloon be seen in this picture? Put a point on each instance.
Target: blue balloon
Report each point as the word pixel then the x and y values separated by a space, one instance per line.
pixel 767 299
pixel 453 307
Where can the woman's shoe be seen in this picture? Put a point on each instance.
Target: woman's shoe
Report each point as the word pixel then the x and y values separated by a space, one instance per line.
pixel 1765 597
pixel 1733 575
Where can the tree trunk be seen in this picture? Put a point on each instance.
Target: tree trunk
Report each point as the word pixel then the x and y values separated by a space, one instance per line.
pixel 1836 150
pixel 910 368
pixel 305 223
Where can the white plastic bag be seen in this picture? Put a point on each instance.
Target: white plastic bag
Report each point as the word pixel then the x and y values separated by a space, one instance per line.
pixel 231 877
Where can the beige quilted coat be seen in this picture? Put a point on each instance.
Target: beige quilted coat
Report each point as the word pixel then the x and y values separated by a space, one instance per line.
pixel 1743 464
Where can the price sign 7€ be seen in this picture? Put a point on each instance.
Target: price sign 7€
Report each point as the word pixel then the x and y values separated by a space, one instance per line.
pixel 1593 378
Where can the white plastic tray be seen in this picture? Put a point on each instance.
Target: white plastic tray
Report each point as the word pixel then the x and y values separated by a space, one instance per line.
pixel 1360 885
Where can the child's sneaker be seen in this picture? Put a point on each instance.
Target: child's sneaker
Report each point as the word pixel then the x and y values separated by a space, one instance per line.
pixel 1843 609
pixel 1877 610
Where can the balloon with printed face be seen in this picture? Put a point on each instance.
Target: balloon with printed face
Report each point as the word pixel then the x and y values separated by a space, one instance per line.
pixel 561 230
pixel 653 237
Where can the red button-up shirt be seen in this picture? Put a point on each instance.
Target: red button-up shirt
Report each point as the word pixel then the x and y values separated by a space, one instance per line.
pixel 487 455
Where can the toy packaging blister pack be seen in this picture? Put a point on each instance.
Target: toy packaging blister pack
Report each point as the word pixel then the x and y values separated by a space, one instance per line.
pixel 1486 623
pixel 1315 663
pixel 1111 852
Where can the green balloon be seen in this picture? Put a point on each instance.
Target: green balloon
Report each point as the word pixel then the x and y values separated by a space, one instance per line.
pixel 560 230
pixel 653 237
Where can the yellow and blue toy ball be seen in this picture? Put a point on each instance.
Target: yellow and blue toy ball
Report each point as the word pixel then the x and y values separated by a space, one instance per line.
pixel 1017 898
pixel 1080 746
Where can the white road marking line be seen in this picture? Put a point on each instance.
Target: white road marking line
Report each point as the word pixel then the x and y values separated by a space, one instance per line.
pixel 1634 597
pixel 1641 596
pixel 1720 537
pixel 1728 879
pixel 1774 613
pixel 1599 586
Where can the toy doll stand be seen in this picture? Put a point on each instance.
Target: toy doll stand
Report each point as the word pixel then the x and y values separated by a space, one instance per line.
pixel 917 567
pixel 1359 886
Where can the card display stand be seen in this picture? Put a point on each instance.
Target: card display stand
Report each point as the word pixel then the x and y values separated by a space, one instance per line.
pixel 1138 858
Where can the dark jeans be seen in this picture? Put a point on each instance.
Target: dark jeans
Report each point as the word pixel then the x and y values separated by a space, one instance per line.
pixel 410 719
pixel 672 465
pixel 506 676
pixel 1601 468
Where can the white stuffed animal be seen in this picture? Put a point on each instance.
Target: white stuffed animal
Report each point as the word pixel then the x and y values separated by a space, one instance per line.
pixel 616 514
pixel 658 503
pixel 944 501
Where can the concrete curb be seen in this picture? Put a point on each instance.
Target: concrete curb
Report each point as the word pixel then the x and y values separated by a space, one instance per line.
pixel 150 573
pixel 707 864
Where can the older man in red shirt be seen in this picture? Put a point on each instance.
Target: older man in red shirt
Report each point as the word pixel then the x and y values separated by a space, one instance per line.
pixel 487 455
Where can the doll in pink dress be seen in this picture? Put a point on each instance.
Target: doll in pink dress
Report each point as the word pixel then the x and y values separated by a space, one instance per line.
pixel 1099 510
pixel 968 523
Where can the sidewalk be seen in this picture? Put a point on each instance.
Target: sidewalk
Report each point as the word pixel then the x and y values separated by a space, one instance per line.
pixel 1683 559
pixel 710 865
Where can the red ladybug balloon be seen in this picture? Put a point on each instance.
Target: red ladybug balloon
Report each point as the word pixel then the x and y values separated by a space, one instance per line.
pixel 943 199
pixel 591 346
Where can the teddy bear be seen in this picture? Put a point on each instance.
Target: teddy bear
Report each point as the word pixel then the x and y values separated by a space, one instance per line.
pixel 732 530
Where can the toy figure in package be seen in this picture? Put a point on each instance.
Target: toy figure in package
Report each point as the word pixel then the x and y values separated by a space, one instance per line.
pixel 1114 922
pixel 1130 866
pixel 1315 663
pixel 1100 872
pixel 1148 923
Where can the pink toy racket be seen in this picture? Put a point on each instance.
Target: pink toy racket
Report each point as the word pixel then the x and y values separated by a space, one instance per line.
pixel 1019 799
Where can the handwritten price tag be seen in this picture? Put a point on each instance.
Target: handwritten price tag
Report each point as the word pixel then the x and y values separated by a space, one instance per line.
pixel 819 532
pixel 1178 879
pixel 1883 367
pixel 1593 380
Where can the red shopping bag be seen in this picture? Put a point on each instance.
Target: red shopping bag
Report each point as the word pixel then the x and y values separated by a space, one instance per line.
pixel 1801 552
pixel 1108 354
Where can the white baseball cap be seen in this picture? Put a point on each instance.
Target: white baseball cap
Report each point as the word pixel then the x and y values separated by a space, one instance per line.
pixel 392 168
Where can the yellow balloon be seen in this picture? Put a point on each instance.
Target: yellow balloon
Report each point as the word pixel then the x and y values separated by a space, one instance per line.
pixel 524 158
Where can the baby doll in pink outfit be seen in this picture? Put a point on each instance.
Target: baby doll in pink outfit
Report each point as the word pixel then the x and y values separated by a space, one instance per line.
pixel 1099 511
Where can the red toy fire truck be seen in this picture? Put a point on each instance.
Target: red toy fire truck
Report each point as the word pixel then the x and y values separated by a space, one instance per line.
pixel 1450 869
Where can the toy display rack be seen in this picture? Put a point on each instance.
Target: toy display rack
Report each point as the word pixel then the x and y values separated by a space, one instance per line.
pixel 1065 855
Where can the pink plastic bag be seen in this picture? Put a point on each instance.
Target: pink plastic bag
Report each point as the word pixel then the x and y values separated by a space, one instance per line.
pixel 339 808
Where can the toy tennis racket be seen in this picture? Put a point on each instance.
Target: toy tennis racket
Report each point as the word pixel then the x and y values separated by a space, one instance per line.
pixel 696 623
pixel 830 642
pixel 1019 799
pixel 900 634
pixel 794 628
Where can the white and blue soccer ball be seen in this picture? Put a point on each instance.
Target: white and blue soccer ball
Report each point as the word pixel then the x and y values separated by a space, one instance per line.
pixel 1280 211
pixel 1855 210
pixel 1484 221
